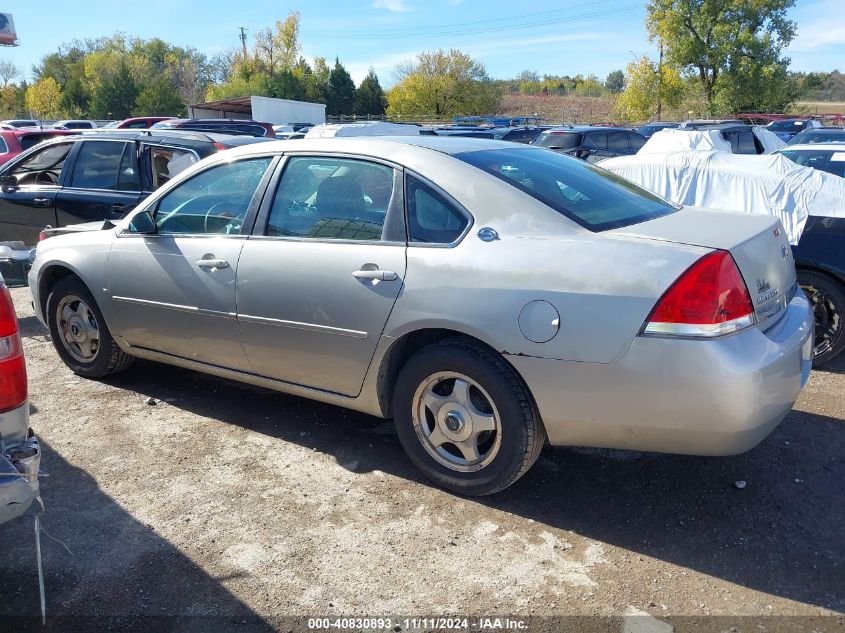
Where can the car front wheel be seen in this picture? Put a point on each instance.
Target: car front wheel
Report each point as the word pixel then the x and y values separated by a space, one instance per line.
pixel 465 418
pixel 79 331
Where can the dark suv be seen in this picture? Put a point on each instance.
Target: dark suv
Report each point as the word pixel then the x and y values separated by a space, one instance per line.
pixel 591 143
pixel 94 176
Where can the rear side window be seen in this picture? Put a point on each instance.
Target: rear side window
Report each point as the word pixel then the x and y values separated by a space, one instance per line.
pixel 432 219
pixel 745 143
pixel 559 140
pixel 4 149
pixel 618 141
pixel 331 198
pixel 594 198
pixel 519 136
pixel 597 140
pixel 636 141
pixel 98 165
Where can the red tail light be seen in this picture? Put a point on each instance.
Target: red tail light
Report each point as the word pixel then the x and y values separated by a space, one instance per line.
pixel 13 389
pixel 709 299
pixel 42 236
pixel 220 146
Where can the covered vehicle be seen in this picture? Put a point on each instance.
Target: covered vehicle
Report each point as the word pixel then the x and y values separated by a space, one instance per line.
pixel 20 455
pixel 484 294
pixel 809 203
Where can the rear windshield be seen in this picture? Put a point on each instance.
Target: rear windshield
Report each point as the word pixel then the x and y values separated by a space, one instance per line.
pixel 827 136
pixel 594 198
pixel 559 140
pixel 832 162
pixel 787 126
pixel 31 140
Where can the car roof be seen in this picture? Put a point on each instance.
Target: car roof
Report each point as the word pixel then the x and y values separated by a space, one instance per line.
pixel 385 146
pixel 580 129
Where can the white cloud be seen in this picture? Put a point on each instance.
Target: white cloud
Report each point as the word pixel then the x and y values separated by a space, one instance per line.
pixel 397 6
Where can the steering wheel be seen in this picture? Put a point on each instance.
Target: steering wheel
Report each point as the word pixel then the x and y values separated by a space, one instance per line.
pixel 215 210
pixel 46 178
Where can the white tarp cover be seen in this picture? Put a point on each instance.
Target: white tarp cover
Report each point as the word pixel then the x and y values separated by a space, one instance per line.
pixel 679 140
pixel 770 184
pixel 367 128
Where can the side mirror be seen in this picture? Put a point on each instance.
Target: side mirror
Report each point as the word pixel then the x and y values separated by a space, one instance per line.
pixel 7 181
pixel 143 223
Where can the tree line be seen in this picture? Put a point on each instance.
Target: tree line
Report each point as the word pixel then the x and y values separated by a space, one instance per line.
pixel 716 57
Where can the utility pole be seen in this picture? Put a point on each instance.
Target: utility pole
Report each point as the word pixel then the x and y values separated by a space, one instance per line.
pixel 243 40
pixel 660 81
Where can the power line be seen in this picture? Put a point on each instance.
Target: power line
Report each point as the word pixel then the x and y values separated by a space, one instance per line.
pixel 412 29
pixel 456 30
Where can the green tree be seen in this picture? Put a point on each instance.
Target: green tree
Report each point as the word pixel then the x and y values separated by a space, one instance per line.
pixel 442 84
pixel 646 85
pixel 44 98
pixel 369 98
pixel 159 97
pixel 317 88
pixel 114 96
pixel 615 81
pixel 340 98
pixel 723 41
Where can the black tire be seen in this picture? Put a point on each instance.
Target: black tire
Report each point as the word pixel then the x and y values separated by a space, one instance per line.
pixel 108 358
pixel 522 432
pixel 827 297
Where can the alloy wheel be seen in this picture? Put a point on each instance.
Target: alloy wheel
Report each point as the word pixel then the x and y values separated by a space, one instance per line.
pixel 78 329
pixel 456 421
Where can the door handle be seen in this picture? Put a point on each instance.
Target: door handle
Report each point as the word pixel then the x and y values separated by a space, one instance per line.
pixel 378 274
pixel 42 202
pixel 119 208
pixel 211 263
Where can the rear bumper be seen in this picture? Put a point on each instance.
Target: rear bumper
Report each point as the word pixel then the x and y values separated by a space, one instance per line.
pixel 716 397
pixel 19 466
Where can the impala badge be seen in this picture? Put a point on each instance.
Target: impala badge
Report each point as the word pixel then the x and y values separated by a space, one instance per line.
pixel 762 286
pixel 784 251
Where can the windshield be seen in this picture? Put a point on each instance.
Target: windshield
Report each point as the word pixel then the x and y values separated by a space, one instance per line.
pixel 820 136
pixel 594 198
pixel 559 140
pixel 787 126
pixel 828 160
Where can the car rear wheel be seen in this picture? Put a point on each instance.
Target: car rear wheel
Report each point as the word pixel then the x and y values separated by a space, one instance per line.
pixel 465 418
pixel 828 300
pixel 79 331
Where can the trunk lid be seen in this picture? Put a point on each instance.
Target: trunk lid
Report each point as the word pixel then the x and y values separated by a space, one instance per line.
pixel 758 244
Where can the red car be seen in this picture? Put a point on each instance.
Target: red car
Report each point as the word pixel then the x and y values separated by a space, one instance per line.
pixel 13 142
pixel 138 122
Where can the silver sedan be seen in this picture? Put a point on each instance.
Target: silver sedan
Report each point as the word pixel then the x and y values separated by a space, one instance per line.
pixel 487 296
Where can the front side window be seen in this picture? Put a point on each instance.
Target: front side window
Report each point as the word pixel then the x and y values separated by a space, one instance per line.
pixel 636 141
pixel 593 197
pixel 99 166
pixel 214 201
pixel 331 198
pixel 43 167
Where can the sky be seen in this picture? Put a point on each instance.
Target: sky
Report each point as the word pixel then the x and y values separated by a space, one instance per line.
pixel 562 37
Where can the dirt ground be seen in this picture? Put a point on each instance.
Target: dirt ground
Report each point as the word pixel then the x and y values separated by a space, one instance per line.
pixel 227 507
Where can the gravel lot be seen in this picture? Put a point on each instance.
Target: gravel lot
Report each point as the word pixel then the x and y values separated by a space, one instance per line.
pixel 230 507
